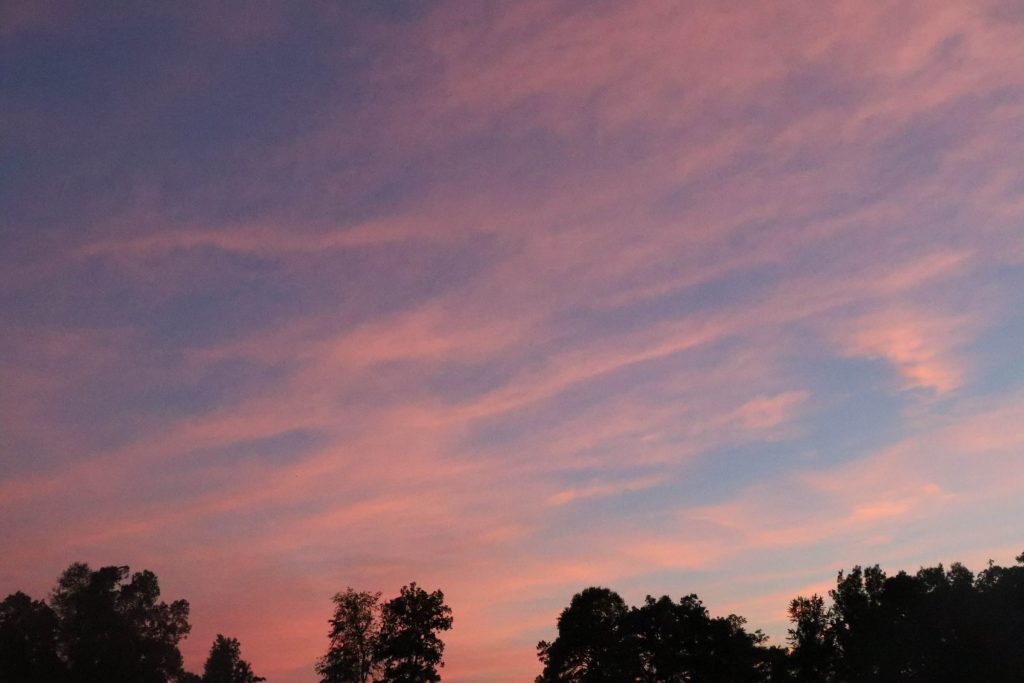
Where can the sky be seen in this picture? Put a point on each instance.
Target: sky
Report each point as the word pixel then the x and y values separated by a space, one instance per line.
pixel 507 299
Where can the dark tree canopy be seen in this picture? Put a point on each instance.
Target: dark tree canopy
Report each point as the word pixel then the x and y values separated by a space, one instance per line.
pixel 225 663
pixel 105 626
pixel 680 641
pixel 396 642
pixel 935 625
pixel 409 648
pixel 28 641
pixel 812 640
pixel 354 639
pixel 113 628
pixel 601 640
pixel 592 644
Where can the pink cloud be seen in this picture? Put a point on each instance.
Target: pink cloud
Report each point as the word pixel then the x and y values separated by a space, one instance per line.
pixel 921 347
pixel 695 359
pixel 569 495
pixel 768 412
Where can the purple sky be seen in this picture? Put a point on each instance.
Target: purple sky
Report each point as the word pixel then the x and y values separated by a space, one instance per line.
pixel 508 299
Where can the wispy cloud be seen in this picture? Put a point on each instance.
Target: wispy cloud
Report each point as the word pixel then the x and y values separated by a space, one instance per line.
pixel 508 301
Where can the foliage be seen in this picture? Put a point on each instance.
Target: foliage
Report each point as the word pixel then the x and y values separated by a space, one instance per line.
pixel 396 642
pixel 811 656
pixel 112 627
pixel 409 649
pixel 225 663
pixel 105 626
pixel 28 641
pixel 935 625
pixel 354 639
pixel 601 640
pixel 592 640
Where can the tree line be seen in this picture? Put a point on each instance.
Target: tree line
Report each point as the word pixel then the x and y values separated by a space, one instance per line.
pixel 110 626
pixel 936 625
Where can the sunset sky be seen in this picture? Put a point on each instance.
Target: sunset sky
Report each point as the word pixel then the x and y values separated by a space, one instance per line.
pixel 508 299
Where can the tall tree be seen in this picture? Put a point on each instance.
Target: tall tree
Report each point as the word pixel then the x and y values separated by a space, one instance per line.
pixel 936 625
pixel 592 644
pixel 409 649
pixel 113 629
pixel 812 639
pixel 28 641
pixel 225 663
pixel 354 638
pixel 601 640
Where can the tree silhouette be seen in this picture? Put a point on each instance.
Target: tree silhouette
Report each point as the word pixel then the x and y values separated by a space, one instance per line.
pixel 936 625
pixel 811 637
pixel 354 638
pixel 409 649
pixel 28 641
pixel 112 629
pixel 106 626
pixel 680 641
pixel 225 663
pixel 601 640
pixel 591 646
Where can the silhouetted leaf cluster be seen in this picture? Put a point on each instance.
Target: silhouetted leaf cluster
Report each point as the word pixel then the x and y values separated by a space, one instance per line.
pixel 225 663
pixel 106 626
pixel 109 626
pixel 394 642
pixel 938 625
pixel 935 625
pixel 601 640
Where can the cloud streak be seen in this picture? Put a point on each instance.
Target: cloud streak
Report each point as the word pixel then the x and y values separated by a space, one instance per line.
pixel 509 301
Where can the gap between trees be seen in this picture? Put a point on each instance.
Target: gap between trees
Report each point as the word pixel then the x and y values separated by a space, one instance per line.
pixel 937 625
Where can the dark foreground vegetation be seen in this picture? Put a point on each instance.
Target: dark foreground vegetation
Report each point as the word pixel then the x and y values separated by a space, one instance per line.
pixel 109 626
pixel 937 625
pixel 934 626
